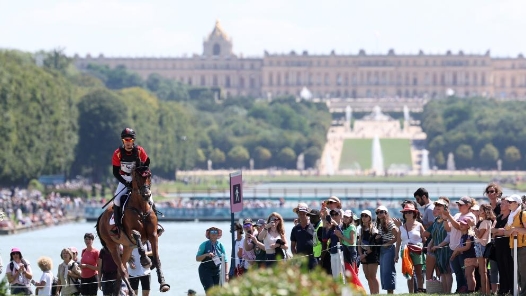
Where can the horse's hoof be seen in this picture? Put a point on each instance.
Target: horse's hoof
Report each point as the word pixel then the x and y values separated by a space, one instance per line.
pixel 164 288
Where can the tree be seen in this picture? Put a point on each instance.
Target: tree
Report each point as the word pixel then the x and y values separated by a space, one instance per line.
pixel 102 117
pixel 262 155
pixel 512 156
pixel 489 155
pixel 238 156
pixel 440 160
pixel 287 157
pixel 464 154
pixel 217 156
pixel 312 154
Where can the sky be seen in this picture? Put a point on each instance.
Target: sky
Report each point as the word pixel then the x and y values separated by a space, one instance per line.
pixel 174 28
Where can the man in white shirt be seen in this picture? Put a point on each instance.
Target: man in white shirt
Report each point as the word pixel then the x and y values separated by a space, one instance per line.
pixel 138 273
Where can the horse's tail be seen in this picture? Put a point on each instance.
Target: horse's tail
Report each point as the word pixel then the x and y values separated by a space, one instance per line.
pixel 97 227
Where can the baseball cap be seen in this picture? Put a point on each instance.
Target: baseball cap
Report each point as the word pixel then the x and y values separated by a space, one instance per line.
pixel 441 202
pixel 465 200
pixel 260 222
pixel 348 213
pixel 382 208
pixel 367 212
pixel 514 197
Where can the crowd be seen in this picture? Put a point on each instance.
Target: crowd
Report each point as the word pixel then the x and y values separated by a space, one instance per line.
pixel 432 243
pixel 78 274
pixel 26 208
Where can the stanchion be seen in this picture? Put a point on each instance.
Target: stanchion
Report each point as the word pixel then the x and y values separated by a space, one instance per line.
pixel 222 273
pixel 515 260
pixel 340 259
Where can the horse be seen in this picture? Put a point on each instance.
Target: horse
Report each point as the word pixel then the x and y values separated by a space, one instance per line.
pixel 139 225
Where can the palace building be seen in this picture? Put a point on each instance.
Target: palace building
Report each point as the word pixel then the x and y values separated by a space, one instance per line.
pixel 333 75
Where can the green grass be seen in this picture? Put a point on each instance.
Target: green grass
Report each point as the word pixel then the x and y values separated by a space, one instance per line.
pixel 356 151
pixel 359 151
pixel 396 151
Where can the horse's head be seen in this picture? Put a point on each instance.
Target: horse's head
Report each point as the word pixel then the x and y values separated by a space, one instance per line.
pixel 142 177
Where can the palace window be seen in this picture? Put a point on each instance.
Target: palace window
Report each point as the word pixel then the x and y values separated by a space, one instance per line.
pixel 270 79
pixel 298 78
pixel 214 80
pixel 278 82
pixel 216 50
pixel 227 81
pixel 327 79
pixel 241 82
pixel 203 80
pixel 338 79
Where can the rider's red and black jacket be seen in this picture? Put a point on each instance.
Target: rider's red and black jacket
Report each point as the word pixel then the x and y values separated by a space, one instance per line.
pixel 125 161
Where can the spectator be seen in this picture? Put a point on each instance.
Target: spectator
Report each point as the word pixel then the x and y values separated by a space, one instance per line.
pixel 239 263
pixel 333 232
pixel 209 254
pixel 249 243
pixel 259 246
pixel 504 259
pixel 466 251
pixel 368 251
pixel 389 234
pixel 46 280
pixel 66 271
pixel 190 292
pixel 482 237
pixel 464 205
pixel 412 236
pixel 422 198
pixel 302 235
pixel 107 272
pixel 494 194
pixel 88 267
pixel 138 273
pixel 349 239
pixel 19 273
pixel 315 220
pixel 273 236
pixel 515 227
pixel 438 245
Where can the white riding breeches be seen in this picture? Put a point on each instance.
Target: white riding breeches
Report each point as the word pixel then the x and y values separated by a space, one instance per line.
pixel 121 190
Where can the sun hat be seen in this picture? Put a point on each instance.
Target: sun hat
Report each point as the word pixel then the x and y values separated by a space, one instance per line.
pixel 15 250
pixel 409 207
pixel 260 222
pixel 219 234
pixel 333 199
pixel 302 207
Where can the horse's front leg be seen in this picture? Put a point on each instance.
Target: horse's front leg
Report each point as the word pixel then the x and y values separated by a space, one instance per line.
pixel 145 261
pixel 157 263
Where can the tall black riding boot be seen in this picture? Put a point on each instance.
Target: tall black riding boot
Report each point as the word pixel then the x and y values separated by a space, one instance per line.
pixel 117 215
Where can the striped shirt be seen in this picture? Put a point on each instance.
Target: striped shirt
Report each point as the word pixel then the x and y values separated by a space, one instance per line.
pixel 389 234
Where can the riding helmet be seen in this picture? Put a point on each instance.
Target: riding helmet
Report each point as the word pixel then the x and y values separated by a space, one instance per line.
pixel 128 132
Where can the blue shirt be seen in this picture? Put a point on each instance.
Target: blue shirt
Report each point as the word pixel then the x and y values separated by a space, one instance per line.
pixel 209 247
pixel 329 234
pixel 471 252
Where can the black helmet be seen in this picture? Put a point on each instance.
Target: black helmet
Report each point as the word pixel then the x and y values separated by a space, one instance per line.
pixel 127 132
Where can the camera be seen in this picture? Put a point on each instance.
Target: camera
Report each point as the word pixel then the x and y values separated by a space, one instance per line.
pixel 249 232
pixel 328 218
pixel 280 242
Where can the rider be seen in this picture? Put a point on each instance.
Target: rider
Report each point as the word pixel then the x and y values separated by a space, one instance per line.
pixel 123 161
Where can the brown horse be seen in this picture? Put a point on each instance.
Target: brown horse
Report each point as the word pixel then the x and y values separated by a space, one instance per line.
pixel 139 225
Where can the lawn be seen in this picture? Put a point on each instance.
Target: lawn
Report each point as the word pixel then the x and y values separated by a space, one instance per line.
pixel 356 152
pixel 396 151
pixel 359 152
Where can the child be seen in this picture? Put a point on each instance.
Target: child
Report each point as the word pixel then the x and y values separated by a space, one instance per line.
pixel 46 280
pixel 482 232
pixel 466 249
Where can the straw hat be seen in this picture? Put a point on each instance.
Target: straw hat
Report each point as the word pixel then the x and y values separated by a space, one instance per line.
pixel 302 207
pixel 409 207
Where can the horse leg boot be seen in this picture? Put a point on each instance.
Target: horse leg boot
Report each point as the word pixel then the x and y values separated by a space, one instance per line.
pixel 145 261
pixel 160 277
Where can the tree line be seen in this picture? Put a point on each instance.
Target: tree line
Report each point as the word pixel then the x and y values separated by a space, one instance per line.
pixel 477 131
pixel 57 120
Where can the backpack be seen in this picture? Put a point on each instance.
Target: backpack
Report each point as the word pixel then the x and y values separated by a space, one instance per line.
pixel 75 281
pixel 54 285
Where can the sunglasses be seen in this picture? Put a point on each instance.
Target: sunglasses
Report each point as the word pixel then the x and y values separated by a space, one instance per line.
pixel 364 215
pixel 127 140
pixel 335 214
pixel 407 212
pixel 247 225
pixel 490 191
pixel 214 232
pixel 380 212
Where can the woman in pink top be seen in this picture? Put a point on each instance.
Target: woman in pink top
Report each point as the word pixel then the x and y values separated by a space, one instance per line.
pixel 88 267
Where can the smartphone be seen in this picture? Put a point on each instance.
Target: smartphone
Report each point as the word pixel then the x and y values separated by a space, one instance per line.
pixel 328 218
pixel 249 232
